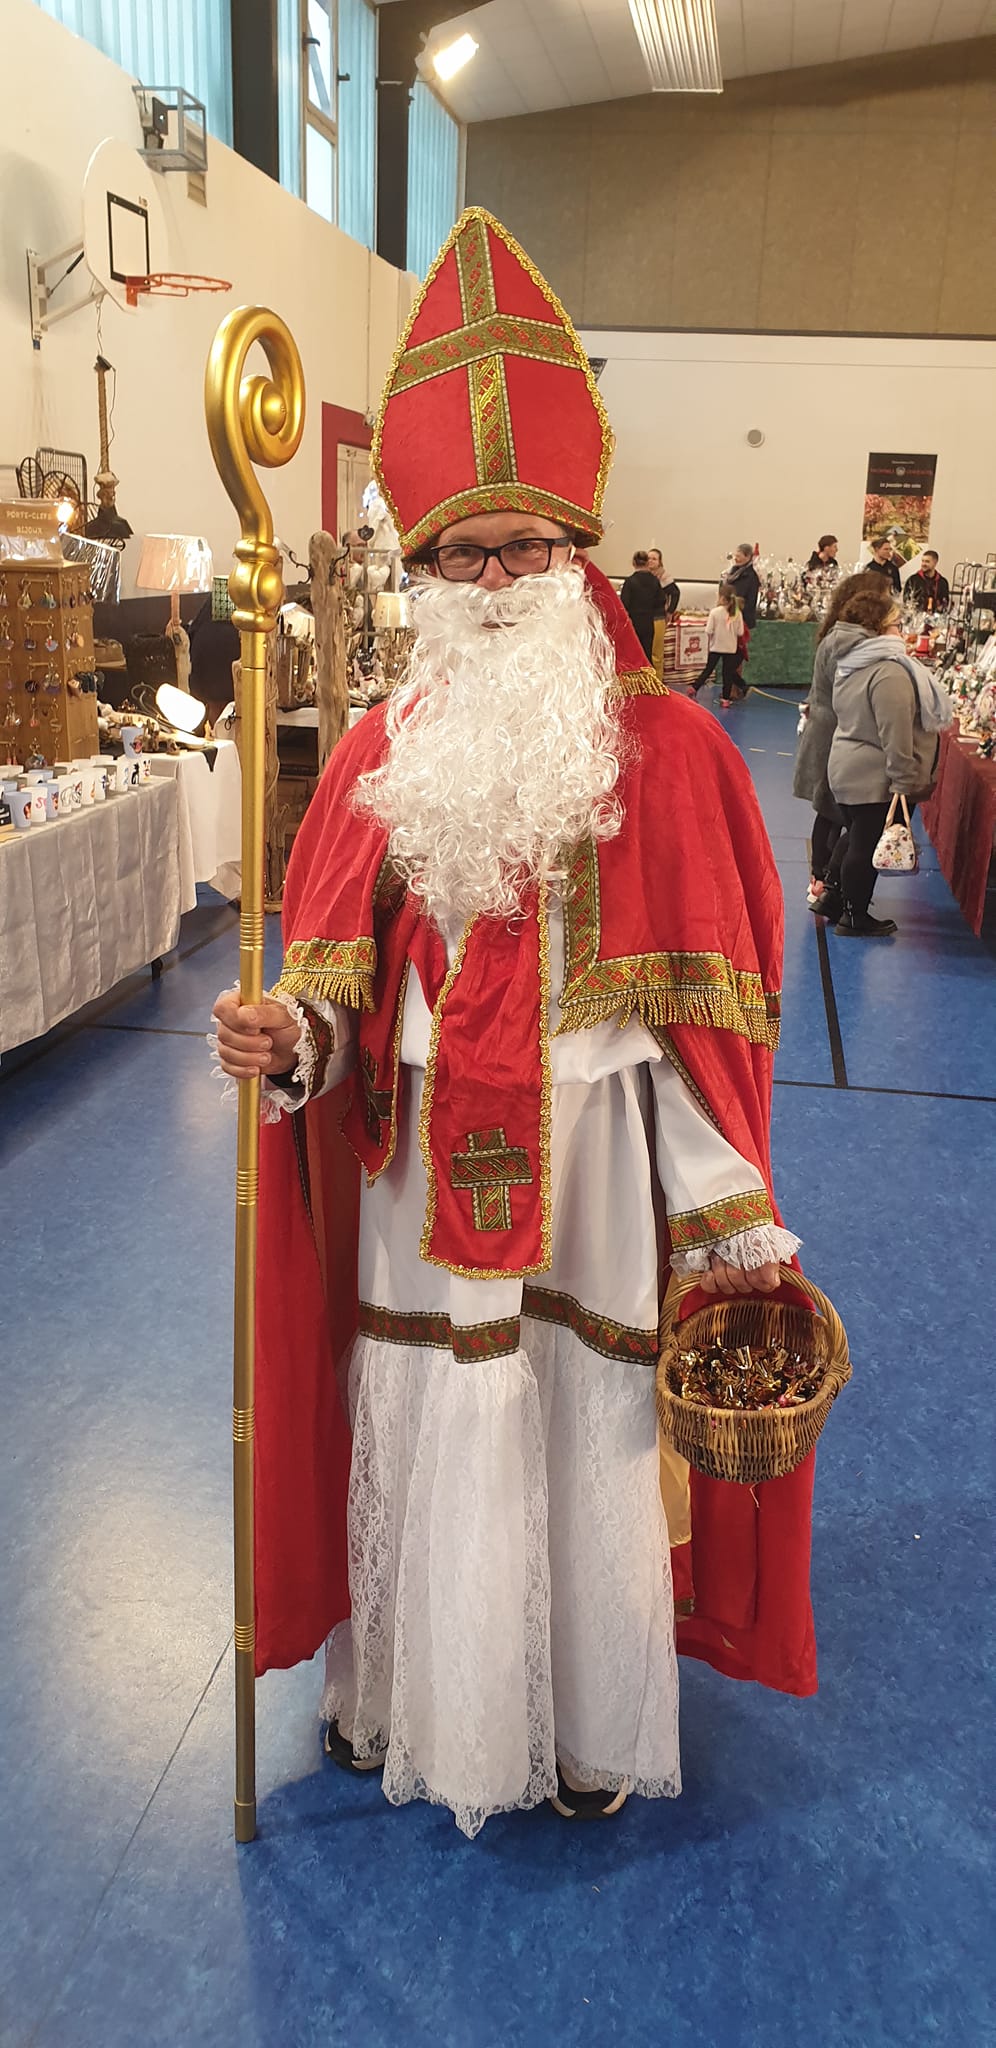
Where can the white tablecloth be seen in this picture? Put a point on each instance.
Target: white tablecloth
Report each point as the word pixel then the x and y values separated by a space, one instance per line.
pixel 83 902
pixel 210 814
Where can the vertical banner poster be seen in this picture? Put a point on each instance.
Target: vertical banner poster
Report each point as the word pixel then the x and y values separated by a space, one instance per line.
pixel 898 496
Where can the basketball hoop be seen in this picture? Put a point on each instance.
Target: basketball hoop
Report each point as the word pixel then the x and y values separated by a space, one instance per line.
pixel 171 284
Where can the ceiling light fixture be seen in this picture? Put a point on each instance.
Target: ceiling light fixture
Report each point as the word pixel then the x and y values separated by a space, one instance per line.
pixel 452 58
pixel 679 43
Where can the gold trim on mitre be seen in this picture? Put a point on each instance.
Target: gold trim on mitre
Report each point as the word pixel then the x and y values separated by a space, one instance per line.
pixel 464 349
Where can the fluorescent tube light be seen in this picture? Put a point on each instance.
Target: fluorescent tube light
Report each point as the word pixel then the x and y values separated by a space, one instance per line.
pixel 679 43
pixel 452 58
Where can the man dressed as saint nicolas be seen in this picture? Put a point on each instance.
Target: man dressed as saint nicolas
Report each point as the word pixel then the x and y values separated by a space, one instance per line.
pixel 517 1067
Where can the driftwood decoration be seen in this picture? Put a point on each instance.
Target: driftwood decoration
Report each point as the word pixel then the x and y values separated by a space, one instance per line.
pixel 274 813
pixel 329 600
pixel 180 642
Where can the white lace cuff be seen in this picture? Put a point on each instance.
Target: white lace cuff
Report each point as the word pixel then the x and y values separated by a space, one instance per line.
pixel 749 1248
pixel 274 1100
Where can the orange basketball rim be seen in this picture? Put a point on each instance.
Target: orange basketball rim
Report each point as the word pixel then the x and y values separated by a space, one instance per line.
pixel 172 284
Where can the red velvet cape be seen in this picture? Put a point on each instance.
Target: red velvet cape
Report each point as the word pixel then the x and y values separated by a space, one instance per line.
pixel 689 882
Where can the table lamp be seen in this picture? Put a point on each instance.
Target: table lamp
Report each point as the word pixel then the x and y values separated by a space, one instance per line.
pixel 174 562
pixel 182 713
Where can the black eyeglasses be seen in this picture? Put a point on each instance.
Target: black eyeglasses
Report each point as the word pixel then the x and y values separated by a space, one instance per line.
pixel 458 562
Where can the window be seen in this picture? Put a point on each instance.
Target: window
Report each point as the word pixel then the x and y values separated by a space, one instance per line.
pixel 433 177
pixel 177 42
pixel 357 119
pixel 319 172
pixel 320 92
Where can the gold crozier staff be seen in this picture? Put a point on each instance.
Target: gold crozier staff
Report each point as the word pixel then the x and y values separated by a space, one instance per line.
pixel 251 420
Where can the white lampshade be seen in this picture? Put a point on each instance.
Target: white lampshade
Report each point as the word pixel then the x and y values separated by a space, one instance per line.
pixel 174 561
pixel 392 611
pixel 179 708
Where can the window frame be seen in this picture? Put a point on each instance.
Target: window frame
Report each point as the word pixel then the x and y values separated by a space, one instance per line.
pixel 312 116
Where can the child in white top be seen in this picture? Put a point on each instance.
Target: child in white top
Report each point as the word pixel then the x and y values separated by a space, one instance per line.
pixel 725 632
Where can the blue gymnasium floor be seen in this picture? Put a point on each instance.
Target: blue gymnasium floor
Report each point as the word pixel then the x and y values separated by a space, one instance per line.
pixel 823 1880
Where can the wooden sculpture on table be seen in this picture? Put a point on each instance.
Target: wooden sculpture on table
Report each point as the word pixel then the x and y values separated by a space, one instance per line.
pixel 251 420
pixel 330 603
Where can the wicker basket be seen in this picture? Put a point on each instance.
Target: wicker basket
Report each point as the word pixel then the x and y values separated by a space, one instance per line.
pixel 747 1444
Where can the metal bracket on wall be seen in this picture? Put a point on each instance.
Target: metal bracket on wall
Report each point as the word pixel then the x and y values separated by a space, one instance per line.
pixel 41 288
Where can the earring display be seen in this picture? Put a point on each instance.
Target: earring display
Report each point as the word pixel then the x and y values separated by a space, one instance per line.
pixel 48 683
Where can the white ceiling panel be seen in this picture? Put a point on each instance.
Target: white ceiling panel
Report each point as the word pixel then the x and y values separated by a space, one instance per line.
pixel 537 54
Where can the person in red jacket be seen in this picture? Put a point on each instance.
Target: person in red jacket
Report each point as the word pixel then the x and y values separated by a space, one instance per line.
pixel 517 1069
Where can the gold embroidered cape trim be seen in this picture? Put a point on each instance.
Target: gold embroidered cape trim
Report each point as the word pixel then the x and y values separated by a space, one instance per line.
pixel 661 1037
pixel 399 1025
pixel 641 682
pixel 469 239
pixel 662 988
pixel 696 1227
pixel 336 970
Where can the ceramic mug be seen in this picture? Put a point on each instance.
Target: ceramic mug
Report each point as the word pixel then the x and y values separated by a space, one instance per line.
pixel 145 770
pixel 22 808
pixel 131 740
pixel 51 800
pixel 96 769
pixel 122 772
pixel 64 785
pixel 39 802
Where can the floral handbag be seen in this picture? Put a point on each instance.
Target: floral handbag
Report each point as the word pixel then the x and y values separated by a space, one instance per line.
pixel 896 852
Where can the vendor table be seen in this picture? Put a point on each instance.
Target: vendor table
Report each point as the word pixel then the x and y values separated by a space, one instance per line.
pixel 781 654
pixel 209 818
pixel 83 902
pixel 961 820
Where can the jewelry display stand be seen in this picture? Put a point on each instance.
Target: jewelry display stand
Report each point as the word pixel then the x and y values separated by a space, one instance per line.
pixel 48 700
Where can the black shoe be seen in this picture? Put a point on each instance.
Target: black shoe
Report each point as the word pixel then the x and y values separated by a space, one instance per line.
pixel 855 925
pixel 342 1753
pixel 830 905
pixel 596 1805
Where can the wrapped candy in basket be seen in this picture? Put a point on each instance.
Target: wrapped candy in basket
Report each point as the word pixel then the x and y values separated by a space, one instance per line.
pixel 744 1386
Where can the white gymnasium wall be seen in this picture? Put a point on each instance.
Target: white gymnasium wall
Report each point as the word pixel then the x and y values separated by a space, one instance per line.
pixel 686 480
pixel 344 306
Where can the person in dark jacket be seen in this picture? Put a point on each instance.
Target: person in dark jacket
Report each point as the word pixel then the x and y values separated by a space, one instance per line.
pixel 824 555
pixel 742 578
pixel 671 590
pixel 928 590
pixel 883 562
pixel 744 581
pixel 644 600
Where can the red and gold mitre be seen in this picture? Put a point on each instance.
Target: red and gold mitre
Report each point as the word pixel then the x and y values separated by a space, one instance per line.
pixel 490 405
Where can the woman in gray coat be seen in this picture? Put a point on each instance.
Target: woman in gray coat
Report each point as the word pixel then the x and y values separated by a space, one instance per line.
pixel 813 752
pixel 889 712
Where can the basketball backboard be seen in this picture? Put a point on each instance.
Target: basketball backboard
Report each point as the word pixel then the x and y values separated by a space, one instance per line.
pixel 124 227
pixel 123 234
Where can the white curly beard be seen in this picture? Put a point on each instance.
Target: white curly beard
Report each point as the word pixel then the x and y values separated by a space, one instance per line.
pixel 504 744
